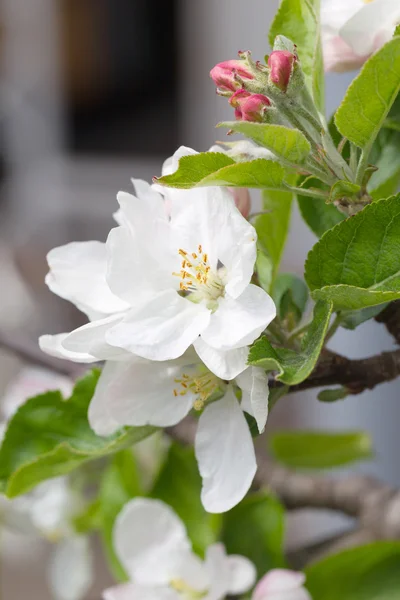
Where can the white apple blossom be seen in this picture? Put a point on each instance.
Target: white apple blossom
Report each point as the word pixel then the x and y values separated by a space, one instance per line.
pixel 163 282
pixel 141 392
pixel 152 545
pixel 48 510
pixel 281 584
pixel 353 29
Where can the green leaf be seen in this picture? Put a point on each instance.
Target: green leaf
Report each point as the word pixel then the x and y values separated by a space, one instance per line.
pixel 264 268
pixel 386 156
pixel 299 21
pixel 319 216
pixel 120 483
pixel 207 168
pixel 343 189
pixel 350 319
pixel 333 395
pixel 290 291
pixel 179 485
pixel 370 96
pixel 49 436
pixel 366 573
pixel 356 264
pixel 288 144
pixel 272 227
pixel 255 528
pixel 294 367
pixel 319 450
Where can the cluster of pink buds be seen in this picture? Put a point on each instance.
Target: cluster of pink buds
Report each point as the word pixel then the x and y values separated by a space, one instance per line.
pixel 250 85
pixel 249 107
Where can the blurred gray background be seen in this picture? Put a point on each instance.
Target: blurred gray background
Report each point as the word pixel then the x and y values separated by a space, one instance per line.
pixel 94 92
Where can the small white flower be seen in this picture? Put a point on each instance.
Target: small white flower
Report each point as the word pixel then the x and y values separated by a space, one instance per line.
pixel 162 283
pixel 140 392
pixel 353 29
pixel 281 584
pixel 152 544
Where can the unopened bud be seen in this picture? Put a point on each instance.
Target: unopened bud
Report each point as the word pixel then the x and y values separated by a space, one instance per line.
pixel 242 200
pixel 281 64
pixel 249 107
pixel 226 75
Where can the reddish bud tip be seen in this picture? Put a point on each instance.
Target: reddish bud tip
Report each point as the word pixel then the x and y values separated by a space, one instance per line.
pixel 249 107
pixel 281 64
pixel 242 200
pixel 225 74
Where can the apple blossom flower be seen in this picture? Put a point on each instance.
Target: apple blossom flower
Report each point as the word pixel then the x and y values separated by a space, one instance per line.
pixel 49 509
pixel 162 283
pixel 281 584
pixel 153 547
pixel 140 392
pixel 352 30
pixel 242 199
pixel 281 64
pixel 225 74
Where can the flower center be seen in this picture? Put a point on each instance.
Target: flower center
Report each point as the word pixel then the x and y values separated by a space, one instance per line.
pixel 198 280
pixel 185 591
pixel 202 384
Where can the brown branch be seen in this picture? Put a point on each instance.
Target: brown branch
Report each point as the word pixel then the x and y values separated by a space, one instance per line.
pixel 29 352
pixel 357 375
pixel 390 317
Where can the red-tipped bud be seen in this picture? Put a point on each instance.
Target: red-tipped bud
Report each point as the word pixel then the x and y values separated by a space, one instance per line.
pixel 226 74
pixel 249 107
pixel 281 64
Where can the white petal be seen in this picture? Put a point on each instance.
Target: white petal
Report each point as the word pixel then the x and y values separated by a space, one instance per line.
pixel 133 271
pixel 91 339
pixel 239 322
pixel 171 164
pixel 133 591
pixel 189 568
pixel 335 14
pixel 281 584
pixel 224 364
pixel 52 344
pixel 162 329
pixel 147 535
pixel 242 574
pixel 371 26
pixel 71 569
pixel 219 573
pixel 225 453
pixel 254 385
pixel 138 392
pixel 78 274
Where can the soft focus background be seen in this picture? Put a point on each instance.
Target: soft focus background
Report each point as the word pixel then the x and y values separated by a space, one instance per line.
pixel 94 92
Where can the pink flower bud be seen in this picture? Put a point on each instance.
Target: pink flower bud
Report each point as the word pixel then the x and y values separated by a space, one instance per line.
pixel 249 107
pixel 223 74
pixel 281 64
pixel 242 200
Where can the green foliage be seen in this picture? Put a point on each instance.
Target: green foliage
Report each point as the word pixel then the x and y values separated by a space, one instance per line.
pixel 350 319
pixel 333 395
pixel 299 21
pixel 356 264
pixel 272 227
pixel 319 450
pixel 49 436
pixel 264 268
pixel 255 528
pixel 319 216
pixel 386 156
pixel 366 573
pixel 207 168
pixel 294 367
pixel 343 189
pixel 290 295
pixel 120 483
pixel 179 485
pixel 290 145
pixel 370 96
